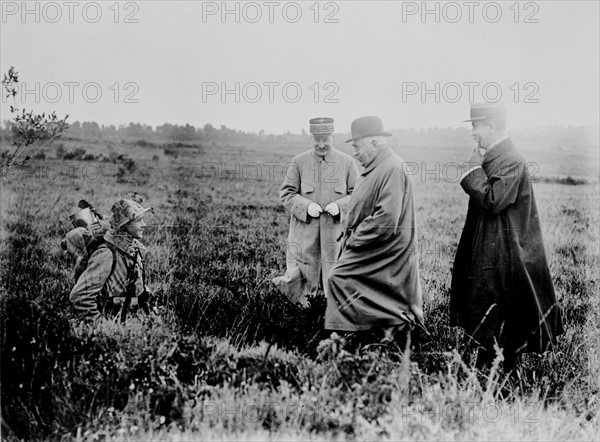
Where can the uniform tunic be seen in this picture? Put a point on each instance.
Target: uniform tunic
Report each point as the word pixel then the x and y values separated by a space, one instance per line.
pixel 97 286
pixel 311 248
pixel 501 285
pixel 375 282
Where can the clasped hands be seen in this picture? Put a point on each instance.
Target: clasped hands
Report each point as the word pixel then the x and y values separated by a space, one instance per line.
pixel 315 210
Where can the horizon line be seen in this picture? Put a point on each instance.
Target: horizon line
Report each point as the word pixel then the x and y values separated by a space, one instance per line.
pixel 4 123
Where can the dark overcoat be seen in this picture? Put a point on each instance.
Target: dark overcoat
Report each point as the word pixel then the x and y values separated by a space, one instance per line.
pixel 375 282
pixel 501 285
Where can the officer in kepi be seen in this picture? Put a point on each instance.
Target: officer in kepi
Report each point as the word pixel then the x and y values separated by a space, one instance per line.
pixel 316 192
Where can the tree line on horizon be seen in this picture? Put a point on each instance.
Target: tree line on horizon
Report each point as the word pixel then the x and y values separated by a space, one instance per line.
pixel 571 136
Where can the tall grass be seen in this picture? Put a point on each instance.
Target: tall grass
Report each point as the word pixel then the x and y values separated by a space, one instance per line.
pixel 225 355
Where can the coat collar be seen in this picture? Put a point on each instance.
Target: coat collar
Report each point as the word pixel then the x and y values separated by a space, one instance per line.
pixel 498 150
pixel 496 143
pixel 382 155
pixel 124 242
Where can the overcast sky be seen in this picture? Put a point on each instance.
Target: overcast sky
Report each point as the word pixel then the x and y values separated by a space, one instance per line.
pixel 171 61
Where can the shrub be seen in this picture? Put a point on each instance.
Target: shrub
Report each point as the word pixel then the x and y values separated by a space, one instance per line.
pixel 170 152
pixel 41 155
pixel 76 154
pixel 60 150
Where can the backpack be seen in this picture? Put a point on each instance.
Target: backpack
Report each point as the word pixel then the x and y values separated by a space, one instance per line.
pixel 86 237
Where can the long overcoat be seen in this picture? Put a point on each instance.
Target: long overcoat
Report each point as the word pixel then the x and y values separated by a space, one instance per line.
pixel 501 285
pixel 375 282
pixel 311 247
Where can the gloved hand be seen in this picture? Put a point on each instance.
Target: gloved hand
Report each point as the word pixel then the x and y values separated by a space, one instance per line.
pixel 333 209
pixel 314 210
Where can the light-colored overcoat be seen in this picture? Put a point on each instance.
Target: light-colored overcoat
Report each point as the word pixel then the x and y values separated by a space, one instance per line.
pixel 311 247
pixel 375 282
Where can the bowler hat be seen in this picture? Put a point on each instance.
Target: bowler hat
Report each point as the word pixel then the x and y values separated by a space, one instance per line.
pixel 487 111
pixel 367 127
pixel 321 127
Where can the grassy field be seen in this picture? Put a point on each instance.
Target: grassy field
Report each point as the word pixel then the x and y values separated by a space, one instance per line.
pixel 224 356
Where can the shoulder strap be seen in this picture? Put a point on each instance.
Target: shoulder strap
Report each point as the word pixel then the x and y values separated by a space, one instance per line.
pixel 143 265
pixel 113 251
pixel 130 271
pixel 130 286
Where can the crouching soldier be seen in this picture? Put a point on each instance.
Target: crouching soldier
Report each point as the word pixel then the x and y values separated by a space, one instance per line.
pixel 115 270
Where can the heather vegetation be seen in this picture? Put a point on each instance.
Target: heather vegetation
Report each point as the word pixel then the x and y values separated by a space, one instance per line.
pixel 223 355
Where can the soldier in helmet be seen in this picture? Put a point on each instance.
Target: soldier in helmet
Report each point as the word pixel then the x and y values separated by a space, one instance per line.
pixel 115 270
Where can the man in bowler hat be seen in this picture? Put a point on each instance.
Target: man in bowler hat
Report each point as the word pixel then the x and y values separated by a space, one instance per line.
pixel 374 287
pixel 316 192
pixel 502 292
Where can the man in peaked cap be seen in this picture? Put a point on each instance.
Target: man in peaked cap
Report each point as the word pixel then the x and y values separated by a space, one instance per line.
pixel 502 291
pixel 374 287
pixel 316 191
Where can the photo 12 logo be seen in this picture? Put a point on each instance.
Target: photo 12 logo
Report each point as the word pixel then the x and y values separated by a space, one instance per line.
pixel 75 91
pixel 270 92
pixel 491 412
pixel 52 172
pixel 269 12
pixel 469 91
pixel 453 172
pixel 70 12
pixel 470 12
